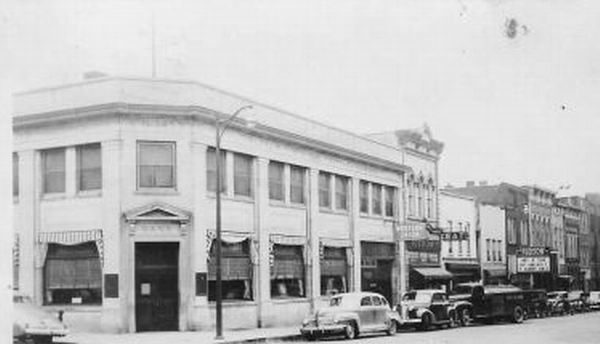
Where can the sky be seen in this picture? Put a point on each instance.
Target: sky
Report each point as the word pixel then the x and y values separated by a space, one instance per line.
pixel 512 88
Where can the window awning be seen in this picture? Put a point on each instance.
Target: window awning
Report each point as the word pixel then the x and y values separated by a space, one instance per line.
pixel 335 242
pixel 70 237
pixel 433 273
pixel 292 240
pixel 495 272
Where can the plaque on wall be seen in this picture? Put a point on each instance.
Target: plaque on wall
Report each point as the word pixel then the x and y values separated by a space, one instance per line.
pixel 201 283
pixel 111 285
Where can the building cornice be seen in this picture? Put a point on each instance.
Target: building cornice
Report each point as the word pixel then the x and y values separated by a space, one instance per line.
pixel 202 114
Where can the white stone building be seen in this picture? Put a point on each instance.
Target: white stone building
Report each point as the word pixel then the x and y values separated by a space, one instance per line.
pixel 114 207
pixel 459 220
pixel 492 220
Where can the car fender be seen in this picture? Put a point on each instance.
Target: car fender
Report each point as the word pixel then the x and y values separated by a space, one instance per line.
pixel 422 311
pixel 346 317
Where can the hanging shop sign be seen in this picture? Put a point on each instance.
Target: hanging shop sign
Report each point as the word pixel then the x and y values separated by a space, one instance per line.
pixel 455 236
pixel 432 246
pixel 413 231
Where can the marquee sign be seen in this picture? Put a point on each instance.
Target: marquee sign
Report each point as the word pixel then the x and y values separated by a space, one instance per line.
pixel 533 259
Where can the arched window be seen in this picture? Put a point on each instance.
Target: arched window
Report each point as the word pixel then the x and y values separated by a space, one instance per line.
pixel 411 196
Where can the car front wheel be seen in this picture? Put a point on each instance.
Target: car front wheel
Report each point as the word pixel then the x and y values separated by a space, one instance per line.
pixel 518 315
pixel 392 329
pixel 350 331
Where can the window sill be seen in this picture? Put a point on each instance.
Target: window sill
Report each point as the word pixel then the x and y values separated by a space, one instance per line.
pixel 376 217
pixel 89 194
pixel 278 204
pixel 157 191
pixel 334 211
pixel 54 196
pixel 233 303
pixel 97 307
pixel 290 299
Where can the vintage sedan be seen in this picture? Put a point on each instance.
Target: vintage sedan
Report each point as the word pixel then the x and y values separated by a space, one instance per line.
pixel 32 322
pixel 425 308
pixel 558 303
pixel 351 314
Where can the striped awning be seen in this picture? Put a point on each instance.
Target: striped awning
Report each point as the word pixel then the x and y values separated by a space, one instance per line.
pixel 70 237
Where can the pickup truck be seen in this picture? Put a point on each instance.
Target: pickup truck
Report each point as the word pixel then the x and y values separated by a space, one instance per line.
pixel 489 303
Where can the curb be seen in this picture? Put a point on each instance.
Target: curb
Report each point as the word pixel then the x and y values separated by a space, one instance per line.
pixel 264 339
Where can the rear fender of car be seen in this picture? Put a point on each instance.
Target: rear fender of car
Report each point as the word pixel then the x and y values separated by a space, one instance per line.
pixel 421 311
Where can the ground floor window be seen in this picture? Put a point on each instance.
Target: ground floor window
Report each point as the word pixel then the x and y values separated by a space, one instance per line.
pixel 287 272
pixel 236 271
pixel 73 274
pixel 334 271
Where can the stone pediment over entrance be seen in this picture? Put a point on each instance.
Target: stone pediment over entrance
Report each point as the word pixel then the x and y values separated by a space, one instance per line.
pixel 157 212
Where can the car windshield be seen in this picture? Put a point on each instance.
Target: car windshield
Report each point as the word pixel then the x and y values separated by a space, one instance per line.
pixel 417 297
pixel 462 289
pixel 335 301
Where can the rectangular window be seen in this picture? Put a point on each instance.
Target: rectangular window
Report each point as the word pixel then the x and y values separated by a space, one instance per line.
pixel 287 272
pixel 499 250
pixel 411 198
pixel 450 228
pixel 156 164
pixel 487 249
pixel 242 175
pixel 334 270
pixel 53 164
pixel 15 174
pixel 341 193
pixel 72 274
pixel 376 199
pixel 494 250
pixel 89 167
pixel 468 229
pixel 236 271
pixel 324 190
pixel 390 196
pixel 420 212
pixel 364 196
pixel 460 241
pixel 429 202
pixel 276 184
pixel 211 170
pixel 297 177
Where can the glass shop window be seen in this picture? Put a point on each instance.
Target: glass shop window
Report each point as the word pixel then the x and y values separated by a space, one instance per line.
pixel 287 272
pixel 236 271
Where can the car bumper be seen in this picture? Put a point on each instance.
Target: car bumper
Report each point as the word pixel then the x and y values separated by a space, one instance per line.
pixel 322 330
pixel 46 332
pixel 409 321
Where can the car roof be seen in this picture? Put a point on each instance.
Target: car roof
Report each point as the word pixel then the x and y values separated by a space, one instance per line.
pixel 428 291
pixel 357 295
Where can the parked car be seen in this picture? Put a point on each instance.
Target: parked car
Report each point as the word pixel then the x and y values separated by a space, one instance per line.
pixel 594 300
pixel 578 300
pixel 536 303
pixel 32 322
pixel 426 308
pixel 558 303
pixel 351 314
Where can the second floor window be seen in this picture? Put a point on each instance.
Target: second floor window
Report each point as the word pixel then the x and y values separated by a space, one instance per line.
pixel 156 164
pixel 297 176
pixel 390 196
pixel 242 175
pixel 211 170
pixel 89 167
pixel 53 165
pixel 341 193
pixel 276 184
pixel 376 199
pixel 324 190
pixel 15 174
pixel 364 197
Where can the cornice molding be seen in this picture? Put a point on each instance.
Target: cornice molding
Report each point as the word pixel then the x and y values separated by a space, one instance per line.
pixel 202 114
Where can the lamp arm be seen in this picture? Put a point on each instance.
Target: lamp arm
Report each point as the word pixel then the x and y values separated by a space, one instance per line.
pixel 226 123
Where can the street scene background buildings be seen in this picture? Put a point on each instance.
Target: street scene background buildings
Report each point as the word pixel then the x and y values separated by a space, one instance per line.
pixel 107 166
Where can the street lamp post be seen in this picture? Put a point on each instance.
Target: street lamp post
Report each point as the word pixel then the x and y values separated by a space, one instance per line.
pixel 220 127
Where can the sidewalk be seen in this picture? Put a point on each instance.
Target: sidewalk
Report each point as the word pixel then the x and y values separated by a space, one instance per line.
pixel 259 335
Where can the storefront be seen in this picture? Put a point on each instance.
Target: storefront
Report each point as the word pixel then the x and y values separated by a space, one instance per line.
pixel 377 261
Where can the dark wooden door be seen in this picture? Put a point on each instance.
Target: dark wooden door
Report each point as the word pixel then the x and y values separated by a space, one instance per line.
pixel 156 286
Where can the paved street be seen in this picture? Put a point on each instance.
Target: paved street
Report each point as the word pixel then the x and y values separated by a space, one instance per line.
pixel 580 328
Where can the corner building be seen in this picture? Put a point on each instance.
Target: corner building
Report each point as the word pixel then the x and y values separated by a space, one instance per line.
pixel 114 207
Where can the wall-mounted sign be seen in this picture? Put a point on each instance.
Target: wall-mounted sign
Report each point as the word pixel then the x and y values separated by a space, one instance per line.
pixel 201 283
pixel 527 264
pixel 412 231
pixel 532 251
pixel 111 285
pixel 432 246
pixel 452 236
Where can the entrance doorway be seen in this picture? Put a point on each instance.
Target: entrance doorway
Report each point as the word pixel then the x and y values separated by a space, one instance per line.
pixel 379 279
pixel 157 286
